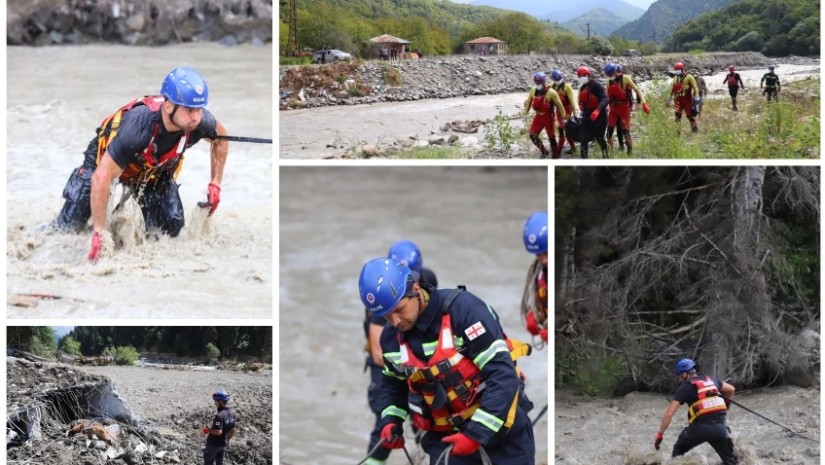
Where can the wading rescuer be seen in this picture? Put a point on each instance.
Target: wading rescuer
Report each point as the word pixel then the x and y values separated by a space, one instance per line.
pixel 685 94
pixel 448 363
pixel 223 429
pixel 408 253
pixel 707 399
pixel 542 99
pixel 534 299
pixel 142 146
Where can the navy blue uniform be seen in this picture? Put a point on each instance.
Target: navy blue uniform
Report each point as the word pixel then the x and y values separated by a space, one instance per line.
pixel 488 350
pixel 708 428
pixel 215 450
pixel 427 277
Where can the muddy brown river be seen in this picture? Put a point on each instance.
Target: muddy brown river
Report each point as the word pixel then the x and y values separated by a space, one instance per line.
pixel 57 96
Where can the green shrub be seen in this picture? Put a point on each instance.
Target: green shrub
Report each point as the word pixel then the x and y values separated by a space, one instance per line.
pixel 122 355
pixel 212 353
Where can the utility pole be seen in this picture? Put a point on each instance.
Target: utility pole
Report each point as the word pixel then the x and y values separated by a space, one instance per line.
pixel 292 39
pixel 588 31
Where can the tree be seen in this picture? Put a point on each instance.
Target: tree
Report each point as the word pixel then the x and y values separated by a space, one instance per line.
pixel 70 345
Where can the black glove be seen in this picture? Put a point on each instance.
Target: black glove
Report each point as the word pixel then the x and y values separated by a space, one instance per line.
pixel 658 441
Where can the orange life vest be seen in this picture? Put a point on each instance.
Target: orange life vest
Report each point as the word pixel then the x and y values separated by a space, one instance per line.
pixel 709 399
pixel 540 102
pixel 587 101
pixel 152 168
pixel 732 80
pixel 444 391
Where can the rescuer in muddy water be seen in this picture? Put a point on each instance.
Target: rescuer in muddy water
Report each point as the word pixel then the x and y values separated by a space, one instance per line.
pixel 223 428
pixel 142 145
pixel 448 363
pixel 707 398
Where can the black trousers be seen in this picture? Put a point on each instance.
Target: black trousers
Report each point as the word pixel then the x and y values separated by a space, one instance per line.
pixel 715 434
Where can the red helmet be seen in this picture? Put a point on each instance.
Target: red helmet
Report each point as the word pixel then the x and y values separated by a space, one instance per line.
pixel 679 65
pixel 731 68
pixel 583 71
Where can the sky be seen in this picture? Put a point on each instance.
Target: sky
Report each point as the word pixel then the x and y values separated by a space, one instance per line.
pixel 643 4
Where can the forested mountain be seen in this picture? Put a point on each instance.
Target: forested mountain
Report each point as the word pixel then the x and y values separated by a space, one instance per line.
pixel 433 27
pixel 773 27
pixel 720 264
pixel 602 21
pixel 663 16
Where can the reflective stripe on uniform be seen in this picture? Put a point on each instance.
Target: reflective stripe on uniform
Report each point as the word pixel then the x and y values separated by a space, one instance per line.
pixel 488 420
pixel 484 357
pixel 394 411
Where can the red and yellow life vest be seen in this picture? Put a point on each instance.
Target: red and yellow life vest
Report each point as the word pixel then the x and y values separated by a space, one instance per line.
pixel 444 392
pixel 710 400
pixel 152 167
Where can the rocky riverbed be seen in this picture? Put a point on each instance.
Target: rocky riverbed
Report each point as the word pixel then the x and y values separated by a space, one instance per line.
pixel 367 82
pixel 135 22
pixel 168 409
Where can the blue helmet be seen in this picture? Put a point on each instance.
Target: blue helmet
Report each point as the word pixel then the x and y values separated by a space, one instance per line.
pixel 407 253
pixel 618 68
pixel 556 75
pixel 684 365
pixel 221 395
pixel 610 69
pixel 184 86
pixel 540 78
pixel 383 283
pixel 535 233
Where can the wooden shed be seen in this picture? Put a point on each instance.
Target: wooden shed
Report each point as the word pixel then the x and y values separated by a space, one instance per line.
pixel 485 46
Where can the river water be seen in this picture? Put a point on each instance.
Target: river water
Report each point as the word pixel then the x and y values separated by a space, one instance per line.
pixel 468 222
pixel 330 131
pixel 57 96
pixel 620 431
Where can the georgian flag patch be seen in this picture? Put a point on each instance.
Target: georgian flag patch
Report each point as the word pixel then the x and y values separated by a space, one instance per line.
pixel 475 331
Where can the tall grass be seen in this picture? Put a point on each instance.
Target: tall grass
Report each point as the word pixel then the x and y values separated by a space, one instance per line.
pixel 785 129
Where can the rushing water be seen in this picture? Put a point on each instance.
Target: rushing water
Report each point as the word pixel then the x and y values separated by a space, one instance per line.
pixel 57 96
pixel 468 222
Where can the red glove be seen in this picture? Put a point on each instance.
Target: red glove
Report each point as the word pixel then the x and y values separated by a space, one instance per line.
pixel 393 436
pixel 658 441
pixel 646 108
pixel 206 430
pixel 97 243
pixel 213 197
pixel 595 115
pixel 543 334
pixel 462 445
pixel 531 324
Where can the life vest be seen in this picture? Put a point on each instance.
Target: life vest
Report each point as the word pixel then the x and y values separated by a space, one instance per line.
pixel 540 103
pixel 152 167
pixel 587 101
pixel 709 399
pixel 541 297
pixel 679 89
pixel 444 392
pixel 732 81
pixel 565 102
pixel 618 92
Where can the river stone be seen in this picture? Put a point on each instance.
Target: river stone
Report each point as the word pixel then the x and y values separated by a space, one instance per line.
pixel 369 150
pixel 136 22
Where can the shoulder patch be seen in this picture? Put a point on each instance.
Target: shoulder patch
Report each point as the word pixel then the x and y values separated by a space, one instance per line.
pixel 475 330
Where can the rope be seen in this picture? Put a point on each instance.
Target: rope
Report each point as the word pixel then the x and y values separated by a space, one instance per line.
pixel 445 455
pixel 377 445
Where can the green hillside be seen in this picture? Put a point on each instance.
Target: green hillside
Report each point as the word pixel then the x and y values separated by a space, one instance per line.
pixel 602 21
pixel 773 27
pixel 434 27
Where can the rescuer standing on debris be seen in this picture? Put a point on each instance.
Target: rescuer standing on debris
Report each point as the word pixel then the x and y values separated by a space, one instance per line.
pixel 707 397
pixel 223 429
pixel 542 99
pixel 534 299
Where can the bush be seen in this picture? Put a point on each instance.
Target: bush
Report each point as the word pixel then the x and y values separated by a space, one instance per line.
pixel 123 355
pixel 212 353
pixel 70 345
